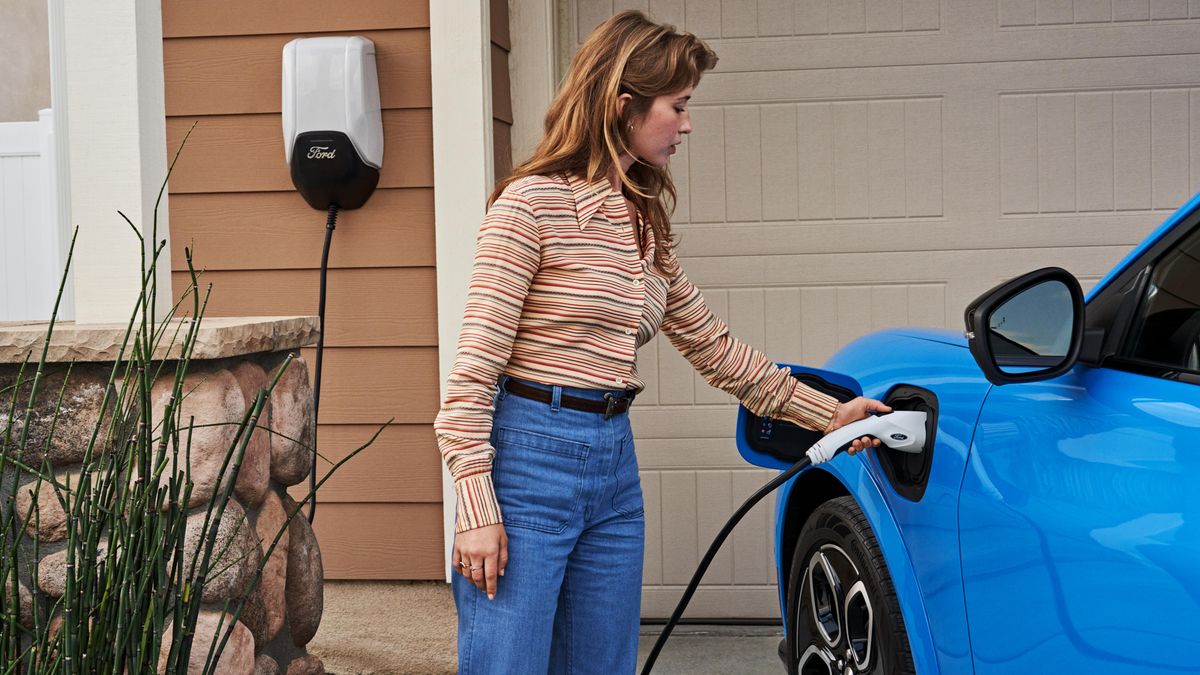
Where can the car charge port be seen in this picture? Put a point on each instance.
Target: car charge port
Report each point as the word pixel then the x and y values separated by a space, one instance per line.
pixel 909 472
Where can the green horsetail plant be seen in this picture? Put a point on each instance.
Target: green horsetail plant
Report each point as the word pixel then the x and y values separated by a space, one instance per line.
pixel 132 588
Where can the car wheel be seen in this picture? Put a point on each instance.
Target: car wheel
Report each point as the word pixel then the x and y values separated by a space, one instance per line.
pixel 843 617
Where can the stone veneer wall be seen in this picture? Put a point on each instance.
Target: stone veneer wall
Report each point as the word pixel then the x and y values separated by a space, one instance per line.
pixel 284 611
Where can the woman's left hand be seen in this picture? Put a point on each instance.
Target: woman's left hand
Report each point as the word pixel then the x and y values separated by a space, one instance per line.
pixel 853 411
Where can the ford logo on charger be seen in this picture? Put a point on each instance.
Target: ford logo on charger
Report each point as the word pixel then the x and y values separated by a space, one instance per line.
pixel 899 437
pixel 321 152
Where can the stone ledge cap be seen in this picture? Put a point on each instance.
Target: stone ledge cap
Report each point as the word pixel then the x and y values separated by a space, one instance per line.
pixel 218 338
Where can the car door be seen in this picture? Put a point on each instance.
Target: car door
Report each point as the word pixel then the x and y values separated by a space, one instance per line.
pixel 1080 509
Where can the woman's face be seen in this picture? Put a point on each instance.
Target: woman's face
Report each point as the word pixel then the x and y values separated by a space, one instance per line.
pixel 656 133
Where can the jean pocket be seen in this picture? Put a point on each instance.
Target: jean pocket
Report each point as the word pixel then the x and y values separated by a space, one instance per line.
pixel 538 478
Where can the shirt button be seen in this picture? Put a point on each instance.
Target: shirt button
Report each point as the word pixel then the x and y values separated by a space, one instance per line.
pixel 618 381
pixel 637 282
pixel 630 331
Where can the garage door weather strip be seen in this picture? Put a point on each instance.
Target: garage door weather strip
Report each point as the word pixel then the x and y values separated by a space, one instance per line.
pixel 902 430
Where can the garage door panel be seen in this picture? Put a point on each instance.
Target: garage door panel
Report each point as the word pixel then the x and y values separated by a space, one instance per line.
pixel 744 171
pixel 851 160
pixel 1169 132
pixel 714 505
pixel 776 17
pixel 1096 163
pixel 885 16
pixel 1097 151
pixel 814 152
pixel 679 525
pixel 923 152
pixel 739 18
pixel 886 137
pixel 706 165
pixel 753 542
pixel 670 11
pixel 780 162
pixel 1056 153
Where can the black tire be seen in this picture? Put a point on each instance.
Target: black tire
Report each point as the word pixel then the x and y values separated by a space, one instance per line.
pixel 861 630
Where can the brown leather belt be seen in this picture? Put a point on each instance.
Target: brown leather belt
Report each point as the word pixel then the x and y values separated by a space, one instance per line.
pixel 611 405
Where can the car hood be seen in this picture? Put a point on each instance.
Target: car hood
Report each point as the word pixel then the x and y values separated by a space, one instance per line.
pixel 942 335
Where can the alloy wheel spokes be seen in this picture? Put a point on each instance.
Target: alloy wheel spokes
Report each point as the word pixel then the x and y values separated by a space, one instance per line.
pixel 815 661
pixel 824 595
pixel 859 622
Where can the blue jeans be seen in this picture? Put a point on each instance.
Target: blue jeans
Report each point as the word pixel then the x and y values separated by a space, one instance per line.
pixel 570 598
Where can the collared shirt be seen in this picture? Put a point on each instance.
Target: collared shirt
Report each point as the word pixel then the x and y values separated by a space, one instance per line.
pixel 561 294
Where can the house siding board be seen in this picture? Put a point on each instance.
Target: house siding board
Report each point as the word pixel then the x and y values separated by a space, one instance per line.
pixel 244 153
pixel 369 541
pixel 240 74
pixel 401 466
pixel 204 18
pixel 396 231
pixel 259 245
pixel 366 307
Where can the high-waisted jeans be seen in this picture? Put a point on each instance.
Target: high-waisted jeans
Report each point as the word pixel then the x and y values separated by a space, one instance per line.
pixel 570 597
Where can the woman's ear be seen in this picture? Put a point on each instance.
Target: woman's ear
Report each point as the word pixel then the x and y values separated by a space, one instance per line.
pixel 622 101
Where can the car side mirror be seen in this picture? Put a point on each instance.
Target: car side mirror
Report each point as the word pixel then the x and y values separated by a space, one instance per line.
pixel 1027 329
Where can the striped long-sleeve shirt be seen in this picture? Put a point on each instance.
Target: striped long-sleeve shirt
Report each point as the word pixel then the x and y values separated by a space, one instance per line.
pixel 561 293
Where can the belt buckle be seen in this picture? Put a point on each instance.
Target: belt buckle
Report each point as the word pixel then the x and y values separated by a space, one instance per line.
pixel 612 403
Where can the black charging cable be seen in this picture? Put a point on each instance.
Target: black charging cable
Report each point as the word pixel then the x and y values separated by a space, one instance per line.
pixel 330 225
pixel 712 553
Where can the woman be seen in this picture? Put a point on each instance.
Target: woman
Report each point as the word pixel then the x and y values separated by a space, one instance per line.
pixel 574 269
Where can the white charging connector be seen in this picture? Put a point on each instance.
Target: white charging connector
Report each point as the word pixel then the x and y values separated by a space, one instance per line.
pixel 902 430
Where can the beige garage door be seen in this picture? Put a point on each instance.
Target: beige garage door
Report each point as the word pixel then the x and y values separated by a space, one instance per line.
pixel 859 164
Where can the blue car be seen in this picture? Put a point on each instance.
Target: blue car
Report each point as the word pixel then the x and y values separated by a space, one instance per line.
pixel 1052 522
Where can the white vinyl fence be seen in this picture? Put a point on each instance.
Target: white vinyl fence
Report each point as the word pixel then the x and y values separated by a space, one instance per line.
pixel 31 246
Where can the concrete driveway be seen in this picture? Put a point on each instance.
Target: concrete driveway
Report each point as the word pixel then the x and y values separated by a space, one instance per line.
pixel 372 628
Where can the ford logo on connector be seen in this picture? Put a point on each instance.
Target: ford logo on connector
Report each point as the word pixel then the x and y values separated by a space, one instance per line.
pixel 321 152
pixel 899 437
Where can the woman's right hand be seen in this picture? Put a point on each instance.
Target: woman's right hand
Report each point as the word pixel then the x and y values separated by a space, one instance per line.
pixel 481 555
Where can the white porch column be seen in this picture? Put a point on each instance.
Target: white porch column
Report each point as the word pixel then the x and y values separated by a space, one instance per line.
pixel 463 172
pixel 117 143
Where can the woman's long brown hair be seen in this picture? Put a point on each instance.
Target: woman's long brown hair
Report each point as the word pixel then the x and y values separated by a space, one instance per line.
pixel 586 135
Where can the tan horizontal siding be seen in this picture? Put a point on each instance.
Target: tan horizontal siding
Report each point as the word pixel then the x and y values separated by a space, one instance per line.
pixel 402 465
pixel 278 230
pixel 233 203
pixel 244 153
pixel 242 74
pixel 370 385
pixel 381 541
pixel 183 18
pixel 365 307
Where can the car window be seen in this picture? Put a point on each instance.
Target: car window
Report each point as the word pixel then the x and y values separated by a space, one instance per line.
pixel 1166 331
